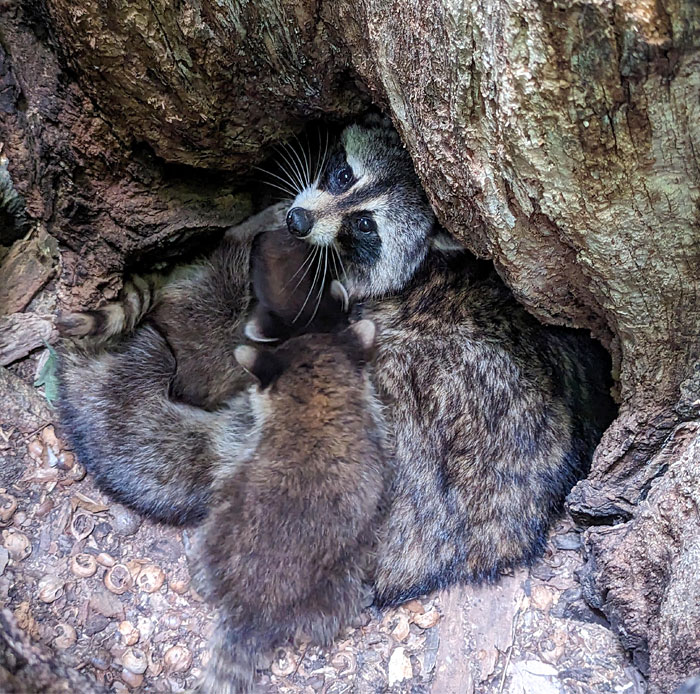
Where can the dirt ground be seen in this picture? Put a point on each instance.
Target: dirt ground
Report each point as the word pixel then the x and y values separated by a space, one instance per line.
pixel 109 594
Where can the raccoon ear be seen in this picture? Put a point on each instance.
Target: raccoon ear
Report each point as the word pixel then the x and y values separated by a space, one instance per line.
pixel 442 241
pixel 365 332
pixel 264 366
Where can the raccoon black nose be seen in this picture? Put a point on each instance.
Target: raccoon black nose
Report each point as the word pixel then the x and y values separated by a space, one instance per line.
pixel 299 222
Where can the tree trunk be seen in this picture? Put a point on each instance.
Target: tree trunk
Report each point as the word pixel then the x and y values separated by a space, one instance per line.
pixel 558 139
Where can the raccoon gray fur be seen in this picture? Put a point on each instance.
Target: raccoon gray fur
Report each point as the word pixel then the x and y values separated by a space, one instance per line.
pixel 143 409
pixel 288 546
pixel 494 416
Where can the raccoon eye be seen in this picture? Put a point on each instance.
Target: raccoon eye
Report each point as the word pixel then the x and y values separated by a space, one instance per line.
pixel 366 224
pixel 344 177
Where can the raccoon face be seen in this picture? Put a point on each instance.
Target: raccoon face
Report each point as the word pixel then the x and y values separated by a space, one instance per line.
pixel 365 214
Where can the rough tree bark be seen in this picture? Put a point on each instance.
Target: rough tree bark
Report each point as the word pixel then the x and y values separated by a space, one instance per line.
pixel 557 138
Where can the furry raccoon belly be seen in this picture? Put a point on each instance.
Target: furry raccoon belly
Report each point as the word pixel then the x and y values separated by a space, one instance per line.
pixel 494 418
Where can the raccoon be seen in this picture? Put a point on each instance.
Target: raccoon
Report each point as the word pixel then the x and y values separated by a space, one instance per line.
pixel 293 293
pixel 151 395
pixel 494 416
pixel 288 546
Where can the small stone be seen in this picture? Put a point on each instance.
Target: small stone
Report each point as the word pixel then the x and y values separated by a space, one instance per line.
pixel 171 621
pixel 48 436
pixel 361 620
pixel 103 602
pixel 65 461
pixel 105 559
pixel 83 565
pixel 568 541
pixel 4 559
pixel 124 521
pixel 65 636
pixel 541 597
pixel 44 508
pixel 414 606
pixel 118 579
pixel 402 629
pixel 428 619
pixel 177 659
pixel 150 579
pixel 50 588
pixel 132 679
pixel 179 586
pixel 8 506
pixel 35 448
pixel 50 458
pixel 95 624
pixel 101 659
pixel 542 572
pixel 77 472
pixel 16 543
pixel 146 627
pixel 284 663
pixel 129 633
pixel 135 660
pixel 399 667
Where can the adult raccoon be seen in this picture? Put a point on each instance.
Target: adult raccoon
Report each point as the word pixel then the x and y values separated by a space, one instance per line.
pixel 493 416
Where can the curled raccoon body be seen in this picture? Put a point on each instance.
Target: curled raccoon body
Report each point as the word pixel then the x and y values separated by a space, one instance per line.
pixel 494 420
pixel 288 546
pixel 151 395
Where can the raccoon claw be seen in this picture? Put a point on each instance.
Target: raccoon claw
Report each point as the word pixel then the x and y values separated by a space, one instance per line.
pixel 339 293
pixel 252 332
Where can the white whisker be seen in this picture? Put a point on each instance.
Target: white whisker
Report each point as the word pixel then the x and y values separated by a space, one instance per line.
pixel 311 289
pixel 298 166
pixel 307 166
pixel 304 262
pixel 290 193
pixel 293 170
pixel 321 286
pixel 291 189
pixel 322 162
pixel 340 260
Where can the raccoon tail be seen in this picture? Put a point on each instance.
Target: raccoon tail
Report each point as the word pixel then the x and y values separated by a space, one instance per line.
pixel 136 299
pixel 157 456
pixel 232 662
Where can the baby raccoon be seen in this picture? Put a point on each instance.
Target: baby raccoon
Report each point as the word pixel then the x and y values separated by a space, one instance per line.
pixel 291 290
pixel 154 415
pixel 287 547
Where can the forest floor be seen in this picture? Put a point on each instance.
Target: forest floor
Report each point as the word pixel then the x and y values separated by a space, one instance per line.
pixel 108 594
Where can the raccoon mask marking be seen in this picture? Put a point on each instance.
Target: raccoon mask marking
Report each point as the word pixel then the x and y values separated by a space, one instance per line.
pixel 367 206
